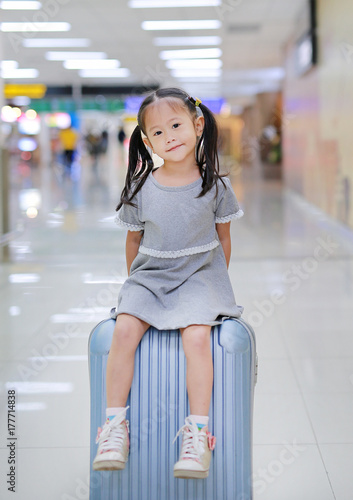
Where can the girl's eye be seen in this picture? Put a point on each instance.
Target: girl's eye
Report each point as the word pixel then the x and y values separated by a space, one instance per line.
pixel 176 125
pixel 157 133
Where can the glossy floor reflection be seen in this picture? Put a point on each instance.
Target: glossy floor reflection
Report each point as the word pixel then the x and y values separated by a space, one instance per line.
pixel 291 269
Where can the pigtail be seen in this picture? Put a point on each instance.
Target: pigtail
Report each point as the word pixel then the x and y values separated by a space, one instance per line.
pixel 206 151
pixel 139 166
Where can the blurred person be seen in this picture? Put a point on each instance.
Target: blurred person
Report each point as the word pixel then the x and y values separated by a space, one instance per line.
pixel 270 144
pixel 68 139
pixel 178 249
pixel 94 147
pixel 55 145
pixel 121 136
pixel 104 142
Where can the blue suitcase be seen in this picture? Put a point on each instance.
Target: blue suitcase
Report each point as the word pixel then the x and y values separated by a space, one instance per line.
pixel 158 407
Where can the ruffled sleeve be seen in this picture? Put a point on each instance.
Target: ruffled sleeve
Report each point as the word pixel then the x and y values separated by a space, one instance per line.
pixel 227 207
pixel 128 217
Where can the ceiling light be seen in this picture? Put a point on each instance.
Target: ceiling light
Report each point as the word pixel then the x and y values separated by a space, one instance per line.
pixel 196 73
pixel 190 54
pixel 28 27
pixel 8 65
pixel 271 73
pixel 91 64
pixel 194 63
pixel 19 73
pixel 179 41
pixel 18 5
pixel 211 24
pixel 56 42
pixel 199 79
pixel 151 4
pixel 104 73
pixel 194 88
pixel 65 56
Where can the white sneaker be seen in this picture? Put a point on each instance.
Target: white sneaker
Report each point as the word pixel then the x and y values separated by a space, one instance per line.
pixel 195 455
pixel 113 444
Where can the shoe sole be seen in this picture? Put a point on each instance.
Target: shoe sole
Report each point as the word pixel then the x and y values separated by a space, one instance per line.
pixel 190 474
pixel 108 465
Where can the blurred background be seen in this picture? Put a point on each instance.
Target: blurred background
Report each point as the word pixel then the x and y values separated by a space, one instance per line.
pixel 278 75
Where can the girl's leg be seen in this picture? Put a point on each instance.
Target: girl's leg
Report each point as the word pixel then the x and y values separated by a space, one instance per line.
pixel 199 367
pixel 121 360
pixel 197 445
pixel 113 439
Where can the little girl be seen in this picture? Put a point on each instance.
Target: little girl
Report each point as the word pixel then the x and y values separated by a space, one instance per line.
pixel 177 251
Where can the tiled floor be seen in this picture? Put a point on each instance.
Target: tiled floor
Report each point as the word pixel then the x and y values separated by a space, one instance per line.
pixel 291 269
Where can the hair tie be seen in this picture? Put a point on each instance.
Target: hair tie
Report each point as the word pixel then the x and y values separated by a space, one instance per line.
pixel 196 101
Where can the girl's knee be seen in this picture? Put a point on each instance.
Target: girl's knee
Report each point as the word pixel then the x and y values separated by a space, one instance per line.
pixel 196 339
pixel 128 331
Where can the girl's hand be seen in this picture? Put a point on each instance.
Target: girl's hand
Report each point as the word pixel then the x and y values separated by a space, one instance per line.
pixel 223 231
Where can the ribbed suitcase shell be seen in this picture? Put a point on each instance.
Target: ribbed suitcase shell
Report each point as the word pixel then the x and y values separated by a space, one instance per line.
pixel 158 407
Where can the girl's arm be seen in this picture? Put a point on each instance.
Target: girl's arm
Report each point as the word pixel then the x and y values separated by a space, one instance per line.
pixel 223 231
pixel 133 239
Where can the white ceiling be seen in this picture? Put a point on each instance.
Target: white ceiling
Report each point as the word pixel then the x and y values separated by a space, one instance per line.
pixel 115 29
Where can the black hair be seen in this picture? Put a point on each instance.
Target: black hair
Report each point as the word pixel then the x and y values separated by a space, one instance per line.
pixel 140 161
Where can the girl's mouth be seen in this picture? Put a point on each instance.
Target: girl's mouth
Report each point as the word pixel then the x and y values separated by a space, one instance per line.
pixel 173 149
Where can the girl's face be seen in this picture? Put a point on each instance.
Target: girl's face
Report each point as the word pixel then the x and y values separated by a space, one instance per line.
pixel 171 132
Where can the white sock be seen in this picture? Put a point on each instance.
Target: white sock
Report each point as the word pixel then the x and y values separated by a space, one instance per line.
pixel 113 412
pixel 200 420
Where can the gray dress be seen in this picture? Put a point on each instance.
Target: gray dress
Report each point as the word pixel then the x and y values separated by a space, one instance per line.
pixel 179 276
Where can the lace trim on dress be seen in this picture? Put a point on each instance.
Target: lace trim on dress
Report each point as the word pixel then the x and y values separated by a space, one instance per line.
pixel 172 254
pixel 228 218
pixel 130 227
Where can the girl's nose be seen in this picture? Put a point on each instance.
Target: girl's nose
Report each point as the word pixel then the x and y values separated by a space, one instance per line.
pixel 169 138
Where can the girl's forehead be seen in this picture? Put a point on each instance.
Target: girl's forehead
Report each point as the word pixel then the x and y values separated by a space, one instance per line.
pixel 164 109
